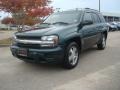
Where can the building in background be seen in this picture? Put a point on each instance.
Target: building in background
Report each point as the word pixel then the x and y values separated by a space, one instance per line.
pixel 111 17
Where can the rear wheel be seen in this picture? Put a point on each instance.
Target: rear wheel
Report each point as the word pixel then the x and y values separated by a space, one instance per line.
pixel 72 56
pixel 102 44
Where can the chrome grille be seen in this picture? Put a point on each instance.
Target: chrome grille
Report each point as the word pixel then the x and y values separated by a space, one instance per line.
pixel 33 46
pixel 28 37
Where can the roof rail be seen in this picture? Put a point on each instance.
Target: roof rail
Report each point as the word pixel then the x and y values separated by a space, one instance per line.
pixel 87 8
pixel 77 9
pixel 92 9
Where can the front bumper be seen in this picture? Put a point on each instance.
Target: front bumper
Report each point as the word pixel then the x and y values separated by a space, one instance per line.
pixel 53 55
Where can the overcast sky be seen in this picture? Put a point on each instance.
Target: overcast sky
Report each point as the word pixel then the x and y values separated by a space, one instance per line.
pixel 106 5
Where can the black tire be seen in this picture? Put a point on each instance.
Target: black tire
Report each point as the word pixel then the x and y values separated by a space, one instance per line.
pixel 102 44
pixel 70 64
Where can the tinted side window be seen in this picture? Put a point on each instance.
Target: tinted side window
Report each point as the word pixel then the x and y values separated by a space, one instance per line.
pixel 87 17
pixel 96 18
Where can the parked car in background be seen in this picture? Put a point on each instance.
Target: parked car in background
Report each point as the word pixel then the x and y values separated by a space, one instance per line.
pixel 112 26
pixel 118 25
pixel 3 27
pixel 61 38
pixel 13 27
pixel 7 27
pixel 24 27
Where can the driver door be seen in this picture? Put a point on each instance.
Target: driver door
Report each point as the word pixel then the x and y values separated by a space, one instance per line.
pixel 88 31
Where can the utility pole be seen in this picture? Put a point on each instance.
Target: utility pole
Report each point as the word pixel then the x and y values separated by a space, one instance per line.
pixel 99 5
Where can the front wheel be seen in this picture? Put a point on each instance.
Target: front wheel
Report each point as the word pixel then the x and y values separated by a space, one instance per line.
pixel 72 56
pixel 102 44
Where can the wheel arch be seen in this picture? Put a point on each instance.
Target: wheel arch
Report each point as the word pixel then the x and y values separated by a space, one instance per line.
pixel 105 33
pixel 76 39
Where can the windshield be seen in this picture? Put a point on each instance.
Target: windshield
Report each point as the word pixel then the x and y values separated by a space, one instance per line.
pixel 64 18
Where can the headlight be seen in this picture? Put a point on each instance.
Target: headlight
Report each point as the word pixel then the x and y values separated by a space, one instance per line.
pixel 49 41
pixel 14 37
pixel 14 40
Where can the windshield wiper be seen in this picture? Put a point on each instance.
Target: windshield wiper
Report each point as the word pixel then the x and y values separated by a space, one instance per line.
pixel 46 23
pixel 60 23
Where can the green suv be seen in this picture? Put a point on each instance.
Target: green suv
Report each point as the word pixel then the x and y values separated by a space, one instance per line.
pixel 61 37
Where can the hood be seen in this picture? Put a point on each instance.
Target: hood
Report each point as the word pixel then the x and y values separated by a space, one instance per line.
pixel 51 30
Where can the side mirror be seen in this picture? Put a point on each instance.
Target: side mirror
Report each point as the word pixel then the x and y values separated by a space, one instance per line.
pixel 87 23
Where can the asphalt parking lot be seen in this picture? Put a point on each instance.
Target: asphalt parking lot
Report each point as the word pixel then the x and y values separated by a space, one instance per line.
pixel 97 70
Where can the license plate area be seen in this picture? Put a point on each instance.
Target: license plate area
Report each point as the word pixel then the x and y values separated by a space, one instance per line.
pixel 22 52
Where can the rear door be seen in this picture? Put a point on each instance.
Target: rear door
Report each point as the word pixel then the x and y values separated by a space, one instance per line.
pixel 98 26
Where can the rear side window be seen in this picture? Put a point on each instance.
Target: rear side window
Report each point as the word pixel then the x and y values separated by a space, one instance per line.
pixel 96 18
pixel 87 17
